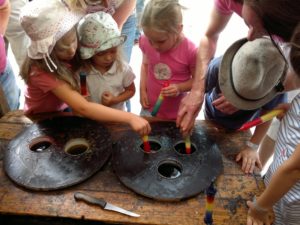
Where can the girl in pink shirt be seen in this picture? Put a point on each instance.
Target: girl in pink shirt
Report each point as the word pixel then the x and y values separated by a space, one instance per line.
pixel 169 59
pixel 49 68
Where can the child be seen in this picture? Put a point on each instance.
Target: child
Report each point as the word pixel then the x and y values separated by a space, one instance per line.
pixel 244 75
pixel 49 68
pixel 282 178
pixel 109 78
pixel 168 57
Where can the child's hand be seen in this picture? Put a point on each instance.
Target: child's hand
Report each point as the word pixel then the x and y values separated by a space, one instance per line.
pixel 140 125
pixel 171 91
pixel 224 106
pixel 107 98
pixel 256 217
pixel 250 159
pixel 144 100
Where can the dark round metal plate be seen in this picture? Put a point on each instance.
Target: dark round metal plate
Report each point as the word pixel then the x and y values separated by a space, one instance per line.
pixel 57 153
pixel 167 173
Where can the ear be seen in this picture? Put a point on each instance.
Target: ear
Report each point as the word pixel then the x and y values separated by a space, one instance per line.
pixel 180 28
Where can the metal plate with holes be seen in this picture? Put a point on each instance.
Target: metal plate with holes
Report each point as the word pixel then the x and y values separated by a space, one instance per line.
pixel 167 173
pixel 57 153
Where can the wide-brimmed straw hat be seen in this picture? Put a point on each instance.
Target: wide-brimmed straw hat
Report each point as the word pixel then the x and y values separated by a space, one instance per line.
pixel 252 73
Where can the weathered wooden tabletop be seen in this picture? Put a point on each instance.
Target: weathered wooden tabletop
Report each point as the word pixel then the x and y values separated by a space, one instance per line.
pixel 233 189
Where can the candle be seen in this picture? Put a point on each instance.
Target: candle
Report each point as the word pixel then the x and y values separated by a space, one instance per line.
pixel 159 101
pixel 268 116
pixel 188 145
pixel 83 88
pixel 147 147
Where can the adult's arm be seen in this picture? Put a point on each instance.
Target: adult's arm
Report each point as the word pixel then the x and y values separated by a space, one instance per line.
pixel 123 12
pixel 4 16
pixel 192 103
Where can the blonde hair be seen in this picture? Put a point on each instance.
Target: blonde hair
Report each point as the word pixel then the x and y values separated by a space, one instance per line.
pixel 162 15
pixel 62 72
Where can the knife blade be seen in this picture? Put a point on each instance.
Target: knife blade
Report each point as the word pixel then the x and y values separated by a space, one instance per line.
pixel 79 196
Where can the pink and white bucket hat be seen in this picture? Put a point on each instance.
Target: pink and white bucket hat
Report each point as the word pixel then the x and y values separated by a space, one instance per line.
pixel 98 32
pixel 45 22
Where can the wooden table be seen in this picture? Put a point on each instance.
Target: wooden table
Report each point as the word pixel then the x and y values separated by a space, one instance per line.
pixel 233 190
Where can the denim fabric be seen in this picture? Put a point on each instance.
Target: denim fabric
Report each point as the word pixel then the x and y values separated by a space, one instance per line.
pixel 129 30
pixel 139 9
pixel 10 87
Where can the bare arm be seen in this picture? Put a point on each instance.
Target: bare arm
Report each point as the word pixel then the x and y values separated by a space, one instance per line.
pixel 192 103
pixel 123 12
pixel 4 16
pixel 99 112
pixel 281 182
pixel 143 88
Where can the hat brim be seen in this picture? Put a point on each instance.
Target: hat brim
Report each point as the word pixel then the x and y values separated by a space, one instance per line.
pixel 86 52
pixel 225 82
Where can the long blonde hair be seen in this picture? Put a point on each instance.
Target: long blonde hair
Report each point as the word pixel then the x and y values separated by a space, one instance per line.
pixel 162 15
pixel 62 72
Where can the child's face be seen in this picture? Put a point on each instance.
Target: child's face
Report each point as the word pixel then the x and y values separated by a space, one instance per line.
pixel 161 41
pixel 106 58
pixel 65 47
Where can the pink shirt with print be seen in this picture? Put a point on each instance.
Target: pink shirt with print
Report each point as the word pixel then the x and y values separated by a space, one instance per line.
pixel 178 63
pixel 228 7
pixel 38 93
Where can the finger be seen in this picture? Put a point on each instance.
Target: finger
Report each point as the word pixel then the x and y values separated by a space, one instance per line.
pixel 180 115
pixel 251 169
pixel 238 157
pixel 259 165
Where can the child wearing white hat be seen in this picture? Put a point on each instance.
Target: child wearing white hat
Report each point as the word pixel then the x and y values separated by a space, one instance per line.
pixel 242 85
pixel 110 80
pixel 48 70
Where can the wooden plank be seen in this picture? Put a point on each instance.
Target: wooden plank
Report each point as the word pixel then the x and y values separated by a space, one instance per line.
pixel 233 189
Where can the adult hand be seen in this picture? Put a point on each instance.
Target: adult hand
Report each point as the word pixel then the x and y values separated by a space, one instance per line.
pixel 224 106
pixel 256 217
pixel 107 98
pixel 249 158
pixel 188 110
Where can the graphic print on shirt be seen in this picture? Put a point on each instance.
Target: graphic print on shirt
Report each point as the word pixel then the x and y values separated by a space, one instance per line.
pixel 162 71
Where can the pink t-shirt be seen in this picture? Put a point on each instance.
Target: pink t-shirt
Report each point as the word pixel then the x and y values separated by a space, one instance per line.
pixel 38 95
pixel 2 48
pixel 228 7
pixel 177 63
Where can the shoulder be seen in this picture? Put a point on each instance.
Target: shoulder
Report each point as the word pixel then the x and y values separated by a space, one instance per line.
pixel 228 6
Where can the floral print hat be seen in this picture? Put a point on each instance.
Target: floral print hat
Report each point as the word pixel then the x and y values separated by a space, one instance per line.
pixel 98 32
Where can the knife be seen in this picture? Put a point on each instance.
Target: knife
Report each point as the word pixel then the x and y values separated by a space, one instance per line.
pixel 101 202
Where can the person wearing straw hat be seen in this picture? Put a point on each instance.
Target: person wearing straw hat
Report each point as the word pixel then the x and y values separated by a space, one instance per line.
pixel 110 79
pixel 250 77
pixel 48 70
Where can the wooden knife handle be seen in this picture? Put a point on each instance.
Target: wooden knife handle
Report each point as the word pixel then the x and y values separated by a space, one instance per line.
pixel 89 199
